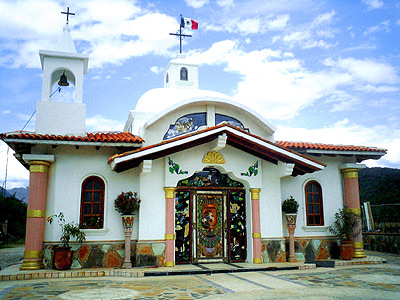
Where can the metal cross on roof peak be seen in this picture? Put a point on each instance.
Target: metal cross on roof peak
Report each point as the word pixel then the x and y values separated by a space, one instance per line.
pixel 181 36
pixel 68 13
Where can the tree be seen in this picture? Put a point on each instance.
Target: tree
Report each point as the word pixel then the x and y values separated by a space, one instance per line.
pixel 13 211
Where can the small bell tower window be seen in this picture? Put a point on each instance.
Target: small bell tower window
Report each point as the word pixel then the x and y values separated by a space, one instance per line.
pixel 167 78
pixel 184 74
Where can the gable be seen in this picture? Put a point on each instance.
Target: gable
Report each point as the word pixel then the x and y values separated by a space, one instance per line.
pixel 229 134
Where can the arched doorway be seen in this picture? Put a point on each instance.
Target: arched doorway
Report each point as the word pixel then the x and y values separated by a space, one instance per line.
pixel 210 219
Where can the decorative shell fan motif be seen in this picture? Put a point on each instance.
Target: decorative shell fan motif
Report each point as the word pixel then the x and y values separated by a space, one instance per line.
pixel 213 158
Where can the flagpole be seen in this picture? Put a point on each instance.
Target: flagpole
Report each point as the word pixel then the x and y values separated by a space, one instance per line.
pixel 181 35
pixel 180 39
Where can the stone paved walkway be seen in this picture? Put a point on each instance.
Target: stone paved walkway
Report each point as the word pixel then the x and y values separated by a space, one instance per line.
pixel 356 282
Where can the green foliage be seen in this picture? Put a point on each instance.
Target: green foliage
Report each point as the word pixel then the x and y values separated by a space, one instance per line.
pixel 13 211
pixel 290 206
pixel 68 230
pixel 381 186
pixel 127 203
pixel 343 227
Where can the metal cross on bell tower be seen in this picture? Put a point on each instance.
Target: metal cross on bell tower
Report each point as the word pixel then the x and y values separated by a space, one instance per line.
pixel 181 35
pixel 68 13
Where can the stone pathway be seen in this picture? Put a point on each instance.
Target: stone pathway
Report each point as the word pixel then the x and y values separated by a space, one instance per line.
pixel 11 256
pixel 352 282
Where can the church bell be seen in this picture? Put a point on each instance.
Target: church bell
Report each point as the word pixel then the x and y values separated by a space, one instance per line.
pixel 63 80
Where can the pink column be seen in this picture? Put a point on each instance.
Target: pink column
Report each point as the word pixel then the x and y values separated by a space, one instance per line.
pixel 33 254
pixel 169 226
pixel 255 221
pixel 292 255
pixel 352 201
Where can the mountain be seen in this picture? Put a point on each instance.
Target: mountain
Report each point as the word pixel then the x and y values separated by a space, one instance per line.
pixel 381 187
pixel 5 193
pixel 20 193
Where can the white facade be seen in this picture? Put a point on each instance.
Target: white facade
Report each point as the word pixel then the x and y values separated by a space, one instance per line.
pixel 191 131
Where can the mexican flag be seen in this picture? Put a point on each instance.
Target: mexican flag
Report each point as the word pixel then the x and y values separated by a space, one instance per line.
pixel 189 23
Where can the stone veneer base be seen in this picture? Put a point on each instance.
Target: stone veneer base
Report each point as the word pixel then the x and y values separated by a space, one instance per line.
pixel 110 254
pixel 306 249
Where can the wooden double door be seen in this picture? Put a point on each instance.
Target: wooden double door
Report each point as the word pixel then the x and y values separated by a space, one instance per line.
pixel 210 225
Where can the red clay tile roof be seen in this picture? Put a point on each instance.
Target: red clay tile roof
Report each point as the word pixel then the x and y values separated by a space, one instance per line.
pixel 99 137
pixel 328 147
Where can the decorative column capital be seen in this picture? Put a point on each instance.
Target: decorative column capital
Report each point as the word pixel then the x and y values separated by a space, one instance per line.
pixel 351 170
pixel 39 166
pixel 255 193
pixel 169 192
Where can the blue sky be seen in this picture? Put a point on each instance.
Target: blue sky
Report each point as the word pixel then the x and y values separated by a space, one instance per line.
pixel 320 71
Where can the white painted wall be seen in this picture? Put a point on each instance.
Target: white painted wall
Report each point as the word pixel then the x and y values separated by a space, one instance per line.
pixel 330 180
pixel 152 209
pixel 60 118
pixel 71 167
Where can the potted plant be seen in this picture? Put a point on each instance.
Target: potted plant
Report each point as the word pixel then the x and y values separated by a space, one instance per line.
pixel 62 259
pixel 343 227
pixel 290 207
pixel 126 204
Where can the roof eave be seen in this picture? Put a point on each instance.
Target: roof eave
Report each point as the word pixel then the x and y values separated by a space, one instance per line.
pixel 73 143
pixel 132 159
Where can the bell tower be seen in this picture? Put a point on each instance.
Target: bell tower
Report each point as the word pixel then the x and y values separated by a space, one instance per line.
pixel 181 74
pixel 62 66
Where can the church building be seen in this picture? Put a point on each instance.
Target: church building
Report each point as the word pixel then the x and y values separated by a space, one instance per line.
pixel 210 175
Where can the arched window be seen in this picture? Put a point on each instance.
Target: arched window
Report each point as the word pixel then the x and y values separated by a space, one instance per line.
pixel 184 74
pixel 167 78
pixel 314 207
pixel 92 203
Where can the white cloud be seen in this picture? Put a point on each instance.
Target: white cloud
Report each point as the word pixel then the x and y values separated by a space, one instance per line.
pixel 157 70
pixel 366 70
pixel 225 3
pixel 110 31
pixel 99 123
pixel 279 23
pixel 373 4
pixel 323 19
pixel 347 133
pixel 279 86
pixel 276 85
pixel 196 3
pixel 379 89
pixel 17 175
pixel 381 27
pixel 310 36
pixel 249 26
pixel 6 112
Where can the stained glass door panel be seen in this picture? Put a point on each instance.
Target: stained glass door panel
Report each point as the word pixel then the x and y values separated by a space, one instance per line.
pixel 182 227
pixel 237 226
pixel 209 220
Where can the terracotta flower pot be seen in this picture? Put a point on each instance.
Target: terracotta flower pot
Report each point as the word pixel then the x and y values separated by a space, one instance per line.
pixel 62 258
pixel 346 250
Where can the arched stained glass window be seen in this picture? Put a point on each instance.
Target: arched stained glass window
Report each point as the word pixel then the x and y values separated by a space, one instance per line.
pixel 92 203
pixel 314 204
